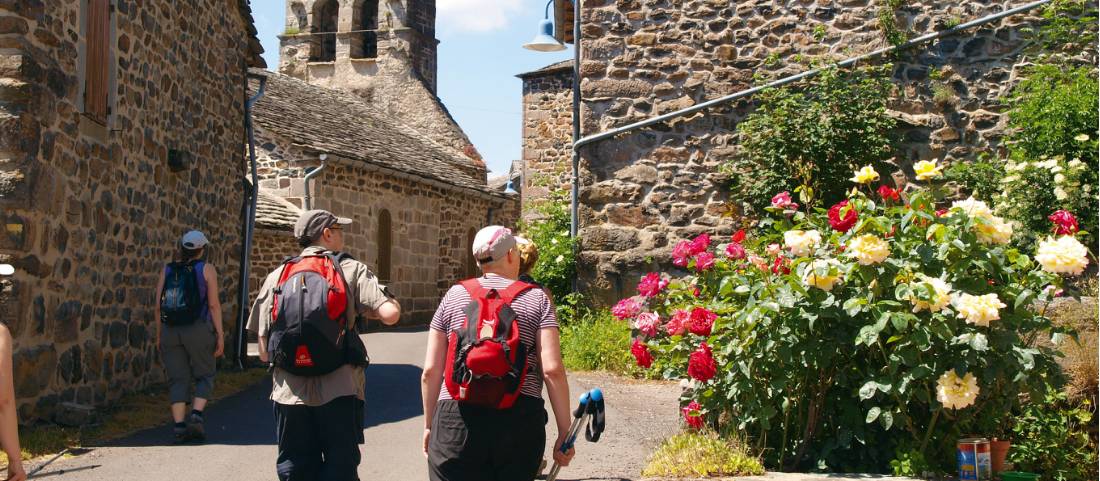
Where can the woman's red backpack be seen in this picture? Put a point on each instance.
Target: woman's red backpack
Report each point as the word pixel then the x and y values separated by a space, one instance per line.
pixel 486 360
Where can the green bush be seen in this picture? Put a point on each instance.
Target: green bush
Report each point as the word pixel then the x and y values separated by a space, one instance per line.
pixel 556 268
pixel 702 454
pixel 594 341
pixel 814 135
pixel 1051 437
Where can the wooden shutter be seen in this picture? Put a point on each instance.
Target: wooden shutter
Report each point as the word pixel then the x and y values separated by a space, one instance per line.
pixel 97 60
pixel 385 246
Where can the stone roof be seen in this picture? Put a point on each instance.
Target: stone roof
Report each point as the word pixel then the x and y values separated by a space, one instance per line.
pixel 345 125
pixel 255 49
pixel 549 69
pixel 274 212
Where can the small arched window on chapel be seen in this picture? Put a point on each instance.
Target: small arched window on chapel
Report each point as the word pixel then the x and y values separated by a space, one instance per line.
pixel 385 246
pixel 326 19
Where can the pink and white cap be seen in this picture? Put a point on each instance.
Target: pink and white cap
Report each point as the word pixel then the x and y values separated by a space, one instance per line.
pixel 493 243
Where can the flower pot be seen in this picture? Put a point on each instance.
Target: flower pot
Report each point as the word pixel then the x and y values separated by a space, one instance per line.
pixel 998 451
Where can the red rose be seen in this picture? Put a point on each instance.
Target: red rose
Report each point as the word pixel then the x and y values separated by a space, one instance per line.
pixel 641 354
pixel 692 416
pixel 842 224
pixel 701 366
pixel 704 261
pixel 697 292
pixel 739 236
pixel 701 321
pixel 941 212
pixel 780 266
pixel 888 193
pixel 700 244
pixel 735 250
pixel 1065 223
pixel 651 285
pixel 681 253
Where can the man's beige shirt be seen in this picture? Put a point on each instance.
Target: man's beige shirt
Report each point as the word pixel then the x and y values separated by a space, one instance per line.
pixel 347 380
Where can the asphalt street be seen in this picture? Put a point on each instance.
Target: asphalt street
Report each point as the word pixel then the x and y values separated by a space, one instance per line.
pixel 241 435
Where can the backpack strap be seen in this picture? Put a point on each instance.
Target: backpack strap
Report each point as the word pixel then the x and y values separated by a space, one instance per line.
pixel 473 287
pixel 511 292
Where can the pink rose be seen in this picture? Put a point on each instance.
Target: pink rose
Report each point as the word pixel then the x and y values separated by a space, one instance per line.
pixel 773 249
pixel 692 415
pixel 782 200
pixel 678 323
pixel 701 365
pixel 647 323
pixel 652 284
pixel 700 243
pixel 1065 223
pixel 627 308
pixel 760 262
pixel 641 353
pixel 704 261
pixel 701 321
pixel 735 251
pixel 681 252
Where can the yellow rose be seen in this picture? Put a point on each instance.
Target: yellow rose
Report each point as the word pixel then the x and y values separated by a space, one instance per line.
pixel 979 310
pixel 994 231
pixel 824 282
pixel 1063 256
pixel 801 243
pixel 865 175
pixel 927 169
pixel 957 392
pixel 941 295
pixel 868 249
pixel 974 208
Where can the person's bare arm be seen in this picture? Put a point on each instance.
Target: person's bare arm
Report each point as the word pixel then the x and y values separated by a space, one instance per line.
pixel 432 378
pixel 9 422
pixel 557 386
pixel 389 312
pixel 156 307
pixel 215 304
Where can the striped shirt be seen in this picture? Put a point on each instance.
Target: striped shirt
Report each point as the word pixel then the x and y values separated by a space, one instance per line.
pixel 533 309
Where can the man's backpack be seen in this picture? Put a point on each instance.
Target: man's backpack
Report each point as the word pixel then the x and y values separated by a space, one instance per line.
pixel 486 360
pixel 182 299
pixel 310 334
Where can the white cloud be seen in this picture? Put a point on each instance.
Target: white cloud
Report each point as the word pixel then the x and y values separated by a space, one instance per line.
pixel 475 15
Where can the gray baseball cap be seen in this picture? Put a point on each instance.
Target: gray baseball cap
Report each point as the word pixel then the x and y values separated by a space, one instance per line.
pixel 193 240
pixel 312 222
pixel 492 243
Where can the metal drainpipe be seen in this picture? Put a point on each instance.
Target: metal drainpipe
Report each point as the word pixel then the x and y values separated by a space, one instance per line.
pixel 574 195
pixel 309 176
pixel 591 139
pixel 250 224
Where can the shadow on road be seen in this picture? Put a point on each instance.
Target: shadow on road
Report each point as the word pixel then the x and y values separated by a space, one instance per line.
pixel 393 393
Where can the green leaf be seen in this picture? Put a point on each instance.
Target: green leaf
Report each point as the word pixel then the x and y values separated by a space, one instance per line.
pixel 979 343
pixel 887 420
pixel 868 335
pixel 868 390
pixel 854 305
pixel 1024 298
pixel 900 323
pixel 873 414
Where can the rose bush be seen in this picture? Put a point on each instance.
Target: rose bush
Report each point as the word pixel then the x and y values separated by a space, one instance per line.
pixel 839 339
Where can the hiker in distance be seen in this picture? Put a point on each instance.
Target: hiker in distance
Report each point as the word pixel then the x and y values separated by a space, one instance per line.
pixel 305 316
pixel 189 334
pixel 492 343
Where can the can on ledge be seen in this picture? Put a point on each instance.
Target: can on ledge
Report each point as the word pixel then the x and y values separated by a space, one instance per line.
pixel 975 463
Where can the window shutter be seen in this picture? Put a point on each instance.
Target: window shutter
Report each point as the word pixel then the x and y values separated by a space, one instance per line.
pixel 96 67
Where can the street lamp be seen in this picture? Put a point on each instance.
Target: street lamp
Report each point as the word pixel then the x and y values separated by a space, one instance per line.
pixel 540 44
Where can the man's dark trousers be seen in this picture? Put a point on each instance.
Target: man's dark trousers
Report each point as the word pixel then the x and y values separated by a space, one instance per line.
pixel 319 443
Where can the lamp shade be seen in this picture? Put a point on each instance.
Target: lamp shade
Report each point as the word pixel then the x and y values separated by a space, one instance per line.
pixel 545 41
pixel 510 189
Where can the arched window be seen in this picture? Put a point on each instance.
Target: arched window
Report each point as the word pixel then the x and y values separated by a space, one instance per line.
pixel 326 19
pixel 471 265
pixel 299 12
pixel 365 19
pixel 385 245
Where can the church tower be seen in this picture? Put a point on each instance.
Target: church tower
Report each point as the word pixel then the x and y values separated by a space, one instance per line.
pixel 359 45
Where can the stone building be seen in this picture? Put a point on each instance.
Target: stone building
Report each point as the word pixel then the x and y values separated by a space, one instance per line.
pixel 362 101
pixel 644 191
pixel 547 130
pixel 122 129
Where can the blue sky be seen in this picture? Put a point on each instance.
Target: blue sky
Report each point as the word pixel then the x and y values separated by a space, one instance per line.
pixel 479 57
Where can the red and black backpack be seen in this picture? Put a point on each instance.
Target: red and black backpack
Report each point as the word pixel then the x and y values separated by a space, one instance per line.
pixel 486 360
pixel 309 334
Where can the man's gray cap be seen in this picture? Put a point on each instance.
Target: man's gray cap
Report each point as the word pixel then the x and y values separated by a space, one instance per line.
pixel 312 222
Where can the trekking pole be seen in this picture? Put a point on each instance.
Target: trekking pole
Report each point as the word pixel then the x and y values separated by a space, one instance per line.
pixel 47 463
pixel 591 407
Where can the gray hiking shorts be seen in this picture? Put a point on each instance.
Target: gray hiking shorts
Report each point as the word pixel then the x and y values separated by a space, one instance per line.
pixel 188 354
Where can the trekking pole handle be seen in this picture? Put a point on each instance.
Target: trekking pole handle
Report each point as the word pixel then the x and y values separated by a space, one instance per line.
pixel 578 419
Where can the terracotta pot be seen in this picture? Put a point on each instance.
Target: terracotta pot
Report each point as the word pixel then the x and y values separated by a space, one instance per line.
pixel 998 451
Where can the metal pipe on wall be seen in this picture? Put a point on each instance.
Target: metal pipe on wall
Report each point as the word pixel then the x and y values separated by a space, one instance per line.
pixel 249 225
pixel 309 176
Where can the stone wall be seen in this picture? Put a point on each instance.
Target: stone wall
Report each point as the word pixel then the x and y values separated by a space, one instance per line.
pixel 644 191
pixel 431 223
pixel 92 212
pixel 269 248
pixel 547 132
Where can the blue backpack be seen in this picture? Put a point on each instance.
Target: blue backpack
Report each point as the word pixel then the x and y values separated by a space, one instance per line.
pixel 183 298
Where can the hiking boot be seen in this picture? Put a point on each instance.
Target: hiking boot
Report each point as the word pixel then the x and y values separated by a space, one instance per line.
pixel 179 435
pixel 195 429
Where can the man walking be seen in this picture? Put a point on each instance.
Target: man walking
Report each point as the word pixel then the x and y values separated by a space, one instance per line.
pixel 492 343
pixel 304 315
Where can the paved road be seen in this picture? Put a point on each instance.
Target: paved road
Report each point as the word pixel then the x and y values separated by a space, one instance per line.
pixel 241 438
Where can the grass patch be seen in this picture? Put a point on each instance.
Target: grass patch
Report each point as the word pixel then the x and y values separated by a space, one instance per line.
pixel 132 413
pixel 596 341
pixel 702 454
